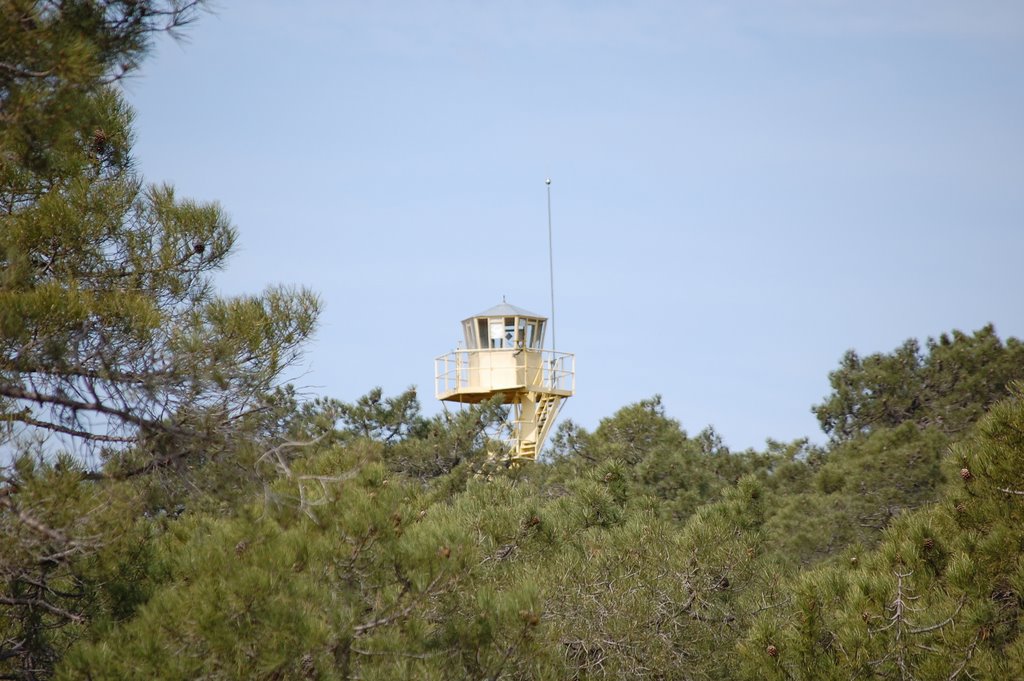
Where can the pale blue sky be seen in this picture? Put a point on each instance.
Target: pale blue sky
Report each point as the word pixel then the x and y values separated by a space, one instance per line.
pixel 741 190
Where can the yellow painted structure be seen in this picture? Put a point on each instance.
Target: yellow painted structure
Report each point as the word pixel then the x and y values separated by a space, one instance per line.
pixel 504 355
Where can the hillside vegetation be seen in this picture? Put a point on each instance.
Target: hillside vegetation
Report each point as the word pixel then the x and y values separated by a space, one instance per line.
pixel 365 541
pixel 170 510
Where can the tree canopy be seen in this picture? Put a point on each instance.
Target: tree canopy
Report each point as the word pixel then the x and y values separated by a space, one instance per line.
pixel 948 384
pixel 117 357
pixel 111 333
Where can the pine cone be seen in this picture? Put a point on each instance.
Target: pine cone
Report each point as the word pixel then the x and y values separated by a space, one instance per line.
pixel 928 543
pixel 965 473
pixel 504 552
pixel 307 666
pixel 99 141
pixel 772 651
pixel 529 618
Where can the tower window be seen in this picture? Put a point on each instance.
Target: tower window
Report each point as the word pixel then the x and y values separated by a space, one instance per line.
pixel 497 333
pixel 482 333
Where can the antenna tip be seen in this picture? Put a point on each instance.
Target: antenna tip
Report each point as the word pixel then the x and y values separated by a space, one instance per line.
pixel 547 181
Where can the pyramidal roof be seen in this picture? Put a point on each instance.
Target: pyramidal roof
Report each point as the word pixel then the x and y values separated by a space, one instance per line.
pixel 503 309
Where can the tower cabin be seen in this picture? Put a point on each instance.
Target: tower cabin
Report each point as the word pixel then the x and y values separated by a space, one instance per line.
pixel 504 356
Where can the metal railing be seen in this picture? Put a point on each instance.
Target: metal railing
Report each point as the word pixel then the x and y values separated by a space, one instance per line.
pixel 483 370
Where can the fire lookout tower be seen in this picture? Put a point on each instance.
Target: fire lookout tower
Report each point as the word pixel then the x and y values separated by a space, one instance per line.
pixel 504 355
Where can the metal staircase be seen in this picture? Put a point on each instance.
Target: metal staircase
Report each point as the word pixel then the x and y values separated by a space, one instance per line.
pixel 546 410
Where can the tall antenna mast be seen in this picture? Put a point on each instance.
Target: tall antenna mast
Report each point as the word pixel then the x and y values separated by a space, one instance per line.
pixel 551 267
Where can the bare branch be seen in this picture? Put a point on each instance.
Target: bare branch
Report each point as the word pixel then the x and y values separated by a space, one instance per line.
pixel 1011 491
pixel 47 425
pixel 401 614
pixel 30 522
pixel 23 72
pixel 948 620
pixel 37 603
pixel 17 393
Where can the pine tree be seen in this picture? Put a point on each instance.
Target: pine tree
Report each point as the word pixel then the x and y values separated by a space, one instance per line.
pixel 114 347
pixel 340 570
pixel 948 386
pixel 110 334
pixel 939 598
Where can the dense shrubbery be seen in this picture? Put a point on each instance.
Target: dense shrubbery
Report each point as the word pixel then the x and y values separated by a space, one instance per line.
pixel 888 554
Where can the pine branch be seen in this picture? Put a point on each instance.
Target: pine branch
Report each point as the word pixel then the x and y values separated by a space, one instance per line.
pixel 401 614
pixel 23 72
pixel 948 620
pixel 46 587
pixel 47 425
pixel 38 603
pixel 32 523
pixel 396 653
pixel 967 658
pixel 1011 491
pixel 17 393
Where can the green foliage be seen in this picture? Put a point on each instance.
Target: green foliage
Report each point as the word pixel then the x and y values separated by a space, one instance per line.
pixel 856 491
pixel 940 597
pixel 109 331
pixel 386 419
pixel 351 564
pixel 117 360
pixel 70 556
pixel 948 386
pixel 54 57
pixel 451 444
pixel 110 335
pixel 357 579
pixel 658 459
pixel 415 446
pixel 342 570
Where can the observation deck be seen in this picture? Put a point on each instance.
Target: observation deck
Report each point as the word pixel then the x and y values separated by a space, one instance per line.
pixel 473 376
